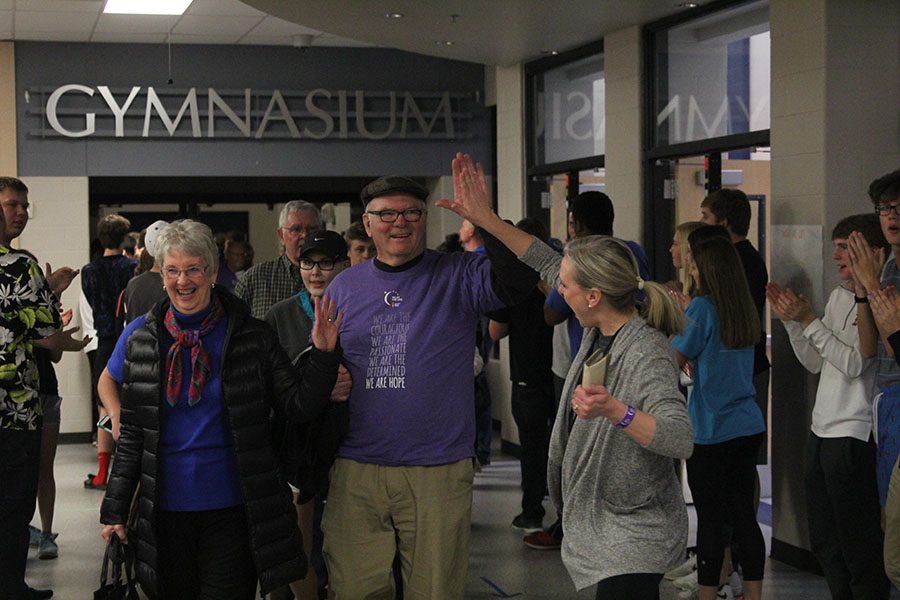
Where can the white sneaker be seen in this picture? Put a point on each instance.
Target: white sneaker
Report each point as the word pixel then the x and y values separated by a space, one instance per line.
pixel 724 593
pixel 688 582
pixel 685 568
pixel 736 584
pixel 693 594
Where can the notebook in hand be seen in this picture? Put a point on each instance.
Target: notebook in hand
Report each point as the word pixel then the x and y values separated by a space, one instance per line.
pixel 594 372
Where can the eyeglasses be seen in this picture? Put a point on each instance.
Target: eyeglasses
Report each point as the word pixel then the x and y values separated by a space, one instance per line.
pixel 886 209
pixel 296 230
pixel 190 272
pixel 326 264
pixel 410 215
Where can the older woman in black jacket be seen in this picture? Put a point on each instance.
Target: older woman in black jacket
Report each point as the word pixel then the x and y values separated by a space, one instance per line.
pixel 199 380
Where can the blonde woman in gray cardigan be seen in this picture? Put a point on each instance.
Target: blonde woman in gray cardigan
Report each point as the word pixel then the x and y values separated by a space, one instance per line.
pixel 610 470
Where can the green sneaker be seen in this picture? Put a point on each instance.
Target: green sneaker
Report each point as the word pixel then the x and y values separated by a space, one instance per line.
pixel 34 536
pixel 48 548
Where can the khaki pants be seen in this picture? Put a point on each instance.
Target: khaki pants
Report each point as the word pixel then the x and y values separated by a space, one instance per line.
pixel 892 528
pixel 375 511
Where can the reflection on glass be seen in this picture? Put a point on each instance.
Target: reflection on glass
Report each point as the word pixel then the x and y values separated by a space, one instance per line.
pixel 569 111
pixel 716 76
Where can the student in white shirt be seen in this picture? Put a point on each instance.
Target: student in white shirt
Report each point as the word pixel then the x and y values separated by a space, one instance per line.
pixel 841 493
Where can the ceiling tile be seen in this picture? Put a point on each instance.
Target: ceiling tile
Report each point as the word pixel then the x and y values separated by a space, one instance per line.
pixel 129 38
pixel 92 6
pixel 266 40
pixel 216 26
pixel 139 24
pixel 53 36
pixel 231 8
pixel 6 4
pixel 275 26
pixel 6 21
pixel 54 22
pixel 203 39
pixel 334 40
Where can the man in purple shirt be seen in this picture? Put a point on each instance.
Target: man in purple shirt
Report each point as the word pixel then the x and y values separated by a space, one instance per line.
pixel 402 481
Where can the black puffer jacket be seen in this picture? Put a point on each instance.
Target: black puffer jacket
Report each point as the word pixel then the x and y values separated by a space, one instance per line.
pixel 256 379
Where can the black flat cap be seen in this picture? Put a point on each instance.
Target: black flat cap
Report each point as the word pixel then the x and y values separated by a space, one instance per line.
pixel 386 186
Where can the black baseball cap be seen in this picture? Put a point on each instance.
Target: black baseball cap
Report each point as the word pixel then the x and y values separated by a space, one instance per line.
pixel 329 243
pixel 386 186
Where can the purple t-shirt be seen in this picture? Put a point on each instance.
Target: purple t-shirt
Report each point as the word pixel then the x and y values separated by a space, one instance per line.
pixel 408 339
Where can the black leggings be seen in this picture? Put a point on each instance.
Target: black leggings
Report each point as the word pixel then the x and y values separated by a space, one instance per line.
pixel 632 586
pixel 723 482
pixel 205 555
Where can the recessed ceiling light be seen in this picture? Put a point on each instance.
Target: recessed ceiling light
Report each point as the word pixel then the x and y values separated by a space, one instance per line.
pixel 444 43
pixel 393 15
pixel 550 52
pixel 146 7
pixel 688 4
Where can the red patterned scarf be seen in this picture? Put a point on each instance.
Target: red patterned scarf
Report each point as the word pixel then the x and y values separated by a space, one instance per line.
pixel 189 338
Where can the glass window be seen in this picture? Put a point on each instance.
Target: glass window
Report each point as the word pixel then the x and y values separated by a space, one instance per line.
pixel 568 111
pixel 712 76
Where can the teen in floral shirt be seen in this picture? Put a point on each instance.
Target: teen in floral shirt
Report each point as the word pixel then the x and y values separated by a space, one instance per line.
pixel 28 310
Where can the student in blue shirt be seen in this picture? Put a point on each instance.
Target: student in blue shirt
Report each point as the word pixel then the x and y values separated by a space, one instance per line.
pixel 728 425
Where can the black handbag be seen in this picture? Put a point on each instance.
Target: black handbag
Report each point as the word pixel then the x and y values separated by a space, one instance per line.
pixel 117 576
pixel 117 581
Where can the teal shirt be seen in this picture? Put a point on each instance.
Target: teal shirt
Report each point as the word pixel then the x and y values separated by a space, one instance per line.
pixel 722 405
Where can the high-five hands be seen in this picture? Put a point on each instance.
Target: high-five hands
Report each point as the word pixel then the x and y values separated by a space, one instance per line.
pixel 471 195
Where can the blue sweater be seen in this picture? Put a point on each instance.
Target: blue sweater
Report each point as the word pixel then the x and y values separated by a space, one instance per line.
pixel 197 469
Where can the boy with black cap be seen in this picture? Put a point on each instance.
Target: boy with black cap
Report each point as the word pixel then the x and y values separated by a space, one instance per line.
pixel 321 258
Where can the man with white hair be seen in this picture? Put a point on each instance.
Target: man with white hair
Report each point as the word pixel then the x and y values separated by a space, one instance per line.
pixel 146 289
pixel 272 281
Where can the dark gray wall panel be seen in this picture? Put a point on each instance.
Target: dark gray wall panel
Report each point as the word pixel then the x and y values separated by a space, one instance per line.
pixel 46 66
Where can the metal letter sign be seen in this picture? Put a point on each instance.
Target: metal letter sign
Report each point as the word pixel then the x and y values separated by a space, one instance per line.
pixel 80 111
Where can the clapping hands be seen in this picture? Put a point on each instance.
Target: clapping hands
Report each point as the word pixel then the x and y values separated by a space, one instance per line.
pixel 789 306
pixel 885 306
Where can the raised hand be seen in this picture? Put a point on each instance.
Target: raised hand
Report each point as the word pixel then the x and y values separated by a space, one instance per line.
pixel 471 194
pixel 60 279
pixel 865 263
pixel 682 299
pixel 328 322
pixel 885 306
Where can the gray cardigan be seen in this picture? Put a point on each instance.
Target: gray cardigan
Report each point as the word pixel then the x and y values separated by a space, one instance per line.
pixel 622 506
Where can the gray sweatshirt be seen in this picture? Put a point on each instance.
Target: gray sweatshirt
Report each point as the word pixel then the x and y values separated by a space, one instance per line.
pixel 622 506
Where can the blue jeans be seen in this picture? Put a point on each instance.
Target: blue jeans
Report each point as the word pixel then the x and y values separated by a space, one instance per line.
pixel 888 414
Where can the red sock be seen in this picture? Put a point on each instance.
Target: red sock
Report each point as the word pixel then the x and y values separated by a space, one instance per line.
pixel 102 468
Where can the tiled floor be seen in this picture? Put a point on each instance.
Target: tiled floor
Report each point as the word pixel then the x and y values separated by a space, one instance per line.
pixel 500 565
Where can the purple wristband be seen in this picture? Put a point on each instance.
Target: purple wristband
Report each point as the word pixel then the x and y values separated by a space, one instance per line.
pixel 627 419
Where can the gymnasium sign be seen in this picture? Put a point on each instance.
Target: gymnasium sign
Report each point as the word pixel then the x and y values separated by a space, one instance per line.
pixel 81 111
